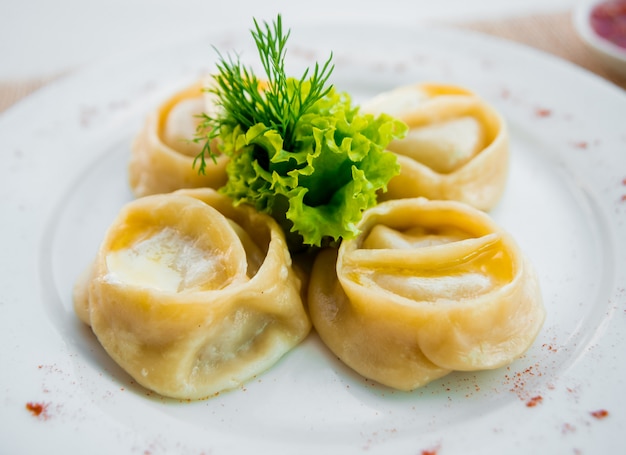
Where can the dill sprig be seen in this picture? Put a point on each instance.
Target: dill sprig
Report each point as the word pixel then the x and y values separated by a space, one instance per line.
pixel 278 102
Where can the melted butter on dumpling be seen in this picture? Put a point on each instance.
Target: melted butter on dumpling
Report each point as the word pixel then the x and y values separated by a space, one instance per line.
pixel 456 147
pixel 168 262
pixel 443 146
pixel 428 287
pixel 382 236
pixel 163 152
pixel 191 295
pixel 180 126
pixel 464 275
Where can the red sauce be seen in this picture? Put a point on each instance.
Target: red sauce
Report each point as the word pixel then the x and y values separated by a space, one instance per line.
pixel 534 401
pixel 608 20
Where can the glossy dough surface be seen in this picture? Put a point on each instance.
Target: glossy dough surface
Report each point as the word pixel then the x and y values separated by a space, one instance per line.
pixel 457 147
pixel 428 287
pixel 163 152
pixel 192 296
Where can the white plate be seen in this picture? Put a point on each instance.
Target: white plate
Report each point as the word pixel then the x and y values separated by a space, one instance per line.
pixel 63 179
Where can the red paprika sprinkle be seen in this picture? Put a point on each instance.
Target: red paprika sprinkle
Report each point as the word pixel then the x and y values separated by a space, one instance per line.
pixel 543 112
pixel 534 401
pixel 600 414
pixel 38 409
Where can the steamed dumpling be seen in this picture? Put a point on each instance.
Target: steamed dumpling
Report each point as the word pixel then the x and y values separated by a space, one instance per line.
pixel 163 152
pixel 192 296
pixel 456 147
pixel 428 287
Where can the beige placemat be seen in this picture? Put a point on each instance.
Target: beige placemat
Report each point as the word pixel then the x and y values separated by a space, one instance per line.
pixel 12 91
pixel 553 33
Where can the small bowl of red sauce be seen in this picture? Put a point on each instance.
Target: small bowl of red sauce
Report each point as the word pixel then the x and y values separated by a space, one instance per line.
pixel 602 26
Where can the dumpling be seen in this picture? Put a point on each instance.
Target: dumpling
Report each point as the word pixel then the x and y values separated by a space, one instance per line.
pixel 163 152
pixel 456 147
pixel 428 287
pixel 192 296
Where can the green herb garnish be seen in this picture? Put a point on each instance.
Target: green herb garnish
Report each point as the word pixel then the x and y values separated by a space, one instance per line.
pixel 299 150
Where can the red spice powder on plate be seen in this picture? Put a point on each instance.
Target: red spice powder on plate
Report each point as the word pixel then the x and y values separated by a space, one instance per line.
pixel 600 414
pixel 39 410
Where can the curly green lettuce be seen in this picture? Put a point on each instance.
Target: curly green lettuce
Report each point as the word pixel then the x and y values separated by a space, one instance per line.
pixel 299 149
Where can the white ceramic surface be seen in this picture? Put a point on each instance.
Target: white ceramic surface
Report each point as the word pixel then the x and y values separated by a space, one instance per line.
pixel 63 179
pixel 610 54
pixel 40 38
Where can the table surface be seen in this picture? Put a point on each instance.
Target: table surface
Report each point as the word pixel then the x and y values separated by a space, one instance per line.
pixel 42 40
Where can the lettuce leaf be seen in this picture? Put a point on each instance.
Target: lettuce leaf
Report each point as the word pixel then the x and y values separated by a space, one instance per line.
pixel 319 188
